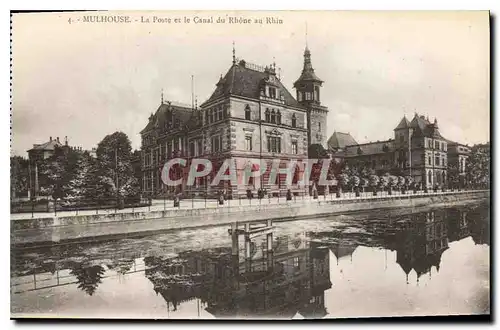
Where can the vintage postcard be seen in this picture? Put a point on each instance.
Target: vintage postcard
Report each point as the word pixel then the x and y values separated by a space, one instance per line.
pixel 250 164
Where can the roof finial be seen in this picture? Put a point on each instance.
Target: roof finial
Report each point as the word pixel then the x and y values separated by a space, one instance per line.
pixel 307 45
pixel 274 62
pixel 234 54
pixel 162 96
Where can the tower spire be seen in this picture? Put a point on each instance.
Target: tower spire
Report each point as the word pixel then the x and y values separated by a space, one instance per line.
pixel 234 54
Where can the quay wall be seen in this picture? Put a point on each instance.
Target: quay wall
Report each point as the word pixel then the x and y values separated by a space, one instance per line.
pixel 55 229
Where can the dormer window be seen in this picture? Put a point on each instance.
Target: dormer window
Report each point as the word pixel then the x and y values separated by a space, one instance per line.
pixel 299 96
pixel 272 92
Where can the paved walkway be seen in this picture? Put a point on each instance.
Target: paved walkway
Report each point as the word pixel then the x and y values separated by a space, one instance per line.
pixel 160 204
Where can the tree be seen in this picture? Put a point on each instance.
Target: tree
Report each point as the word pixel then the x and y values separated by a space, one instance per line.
pixel 374 182
pixel 393 181
pixel 384 181
pixel 354 181
pixel 364 182
pixel 401 182
pixel 343 179
pixel 477 166
pixel 19 176
pixel 408 181
pixel 116 173
pixel 79 186
pixel 317 151
pixel 453 175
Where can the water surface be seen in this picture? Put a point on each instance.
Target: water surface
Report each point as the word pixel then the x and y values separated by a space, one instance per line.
pixel 383 263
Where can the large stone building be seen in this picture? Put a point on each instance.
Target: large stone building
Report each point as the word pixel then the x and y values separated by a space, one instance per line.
pixel 417 150
pixel 250 115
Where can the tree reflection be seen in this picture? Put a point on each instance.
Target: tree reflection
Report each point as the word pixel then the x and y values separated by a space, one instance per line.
pixel 88 277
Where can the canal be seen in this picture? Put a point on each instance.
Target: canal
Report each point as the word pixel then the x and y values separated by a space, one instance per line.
pixel 381 263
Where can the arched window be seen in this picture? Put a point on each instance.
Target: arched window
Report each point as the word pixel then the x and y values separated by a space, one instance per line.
pixel 319 126
pixel 294 121
pixel 268 115
pixel 278 118
pixel 248 114
pixel 429 177
pixel 273 117
pixel 438 177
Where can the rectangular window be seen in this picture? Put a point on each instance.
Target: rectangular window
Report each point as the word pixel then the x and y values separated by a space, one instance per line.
pixel 294 147
pixel 200 148
pixel 248 143
pixel 430 160
pixel 437 160
pixel 436 144
pixel 296 263
pixel 274 144
pixel 191 149
pixel 216 143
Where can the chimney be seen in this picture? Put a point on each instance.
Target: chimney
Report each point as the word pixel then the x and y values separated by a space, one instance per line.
pixel 51 139
pixel 66 140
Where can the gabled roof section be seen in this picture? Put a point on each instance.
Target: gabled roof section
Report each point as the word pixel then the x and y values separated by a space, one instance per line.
pixel 403 124
pixel 169 111
pixel 340 140
pixel 246 80
pixel 49 145
pixel 419 122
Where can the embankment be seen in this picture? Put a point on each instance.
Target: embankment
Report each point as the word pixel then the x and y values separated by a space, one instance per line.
pixel 54 229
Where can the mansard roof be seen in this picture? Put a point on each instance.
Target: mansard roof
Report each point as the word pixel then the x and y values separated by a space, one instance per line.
pixel 371 148
pixel 244 79
pixel 340 140
pixel 169 111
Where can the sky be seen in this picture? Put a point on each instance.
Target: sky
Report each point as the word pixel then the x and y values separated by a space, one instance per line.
pixel 87 80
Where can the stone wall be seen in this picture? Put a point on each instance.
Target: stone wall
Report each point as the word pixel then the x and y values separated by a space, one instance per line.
pixel 88 227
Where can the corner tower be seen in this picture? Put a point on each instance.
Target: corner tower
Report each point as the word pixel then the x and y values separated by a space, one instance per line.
pixel 308 88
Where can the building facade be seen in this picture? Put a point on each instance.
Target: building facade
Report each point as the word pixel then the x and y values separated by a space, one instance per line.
pixel 249 115
pixel 418 150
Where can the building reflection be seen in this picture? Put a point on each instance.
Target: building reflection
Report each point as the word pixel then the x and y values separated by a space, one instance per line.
pixel 421 238
pixel 267 278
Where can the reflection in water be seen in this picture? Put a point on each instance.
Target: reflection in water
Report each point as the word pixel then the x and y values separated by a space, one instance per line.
pixel 266 274
pixel 88 277
pixel 279 282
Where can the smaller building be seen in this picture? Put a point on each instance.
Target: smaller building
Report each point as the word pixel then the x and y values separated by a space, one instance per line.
pixel 457 156
pixel 45 150
pixel 418 150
